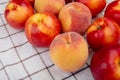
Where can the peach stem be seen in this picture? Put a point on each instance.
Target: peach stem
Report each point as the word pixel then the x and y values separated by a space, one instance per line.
pixel 69 39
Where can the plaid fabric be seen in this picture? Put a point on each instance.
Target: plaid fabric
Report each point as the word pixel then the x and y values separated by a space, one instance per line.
pixel 19 60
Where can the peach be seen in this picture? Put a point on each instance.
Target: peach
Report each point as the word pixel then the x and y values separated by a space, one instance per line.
pixel 76 17
pixel 69 51
pixel 52 6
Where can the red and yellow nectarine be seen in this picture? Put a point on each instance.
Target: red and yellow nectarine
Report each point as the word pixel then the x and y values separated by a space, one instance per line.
pixel 105 64
pixel 41 28
pixel 17 12
pixel 113 11
pixel 103 32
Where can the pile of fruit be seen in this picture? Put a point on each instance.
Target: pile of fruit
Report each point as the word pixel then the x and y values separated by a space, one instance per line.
pixel 61 25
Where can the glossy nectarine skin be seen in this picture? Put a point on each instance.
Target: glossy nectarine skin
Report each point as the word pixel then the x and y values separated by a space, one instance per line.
pixel 103 32
pixel 76 17
pixel 41 28
pixel 17 12
pixel 105 64
pixel 95 6
pixel 113 11
pixel 69 51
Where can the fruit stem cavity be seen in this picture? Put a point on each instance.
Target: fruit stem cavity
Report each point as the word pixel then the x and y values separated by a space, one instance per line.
pixel 99 27
pixel 14 7
pixel 119 63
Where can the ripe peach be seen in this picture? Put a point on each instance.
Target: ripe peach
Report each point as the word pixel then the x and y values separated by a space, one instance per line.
pixel 53 6
pixel 76 17
pixel 69 51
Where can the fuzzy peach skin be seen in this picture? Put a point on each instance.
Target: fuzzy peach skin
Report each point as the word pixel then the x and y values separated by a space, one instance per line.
pixel 53 6
pixel 76 17
pixel 41 28
pixel 69 51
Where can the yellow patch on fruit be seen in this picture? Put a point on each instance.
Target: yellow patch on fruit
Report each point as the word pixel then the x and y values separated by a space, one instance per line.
pixel 117 7
pixel 66 22
pixel 95 26
pixel 108 35
pixel 52 6
pixel 91 29
pixel 45 23
pixel 11 6
pixel 117 72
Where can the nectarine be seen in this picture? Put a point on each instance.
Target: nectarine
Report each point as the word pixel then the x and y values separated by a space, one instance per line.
pixel 113 11
pixel 17 12
pixel 103 32
pixel 41 28
pixel 105 63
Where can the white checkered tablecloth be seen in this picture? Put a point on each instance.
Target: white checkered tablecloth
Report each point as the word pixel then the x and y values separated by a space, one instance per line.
pixel 19 60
